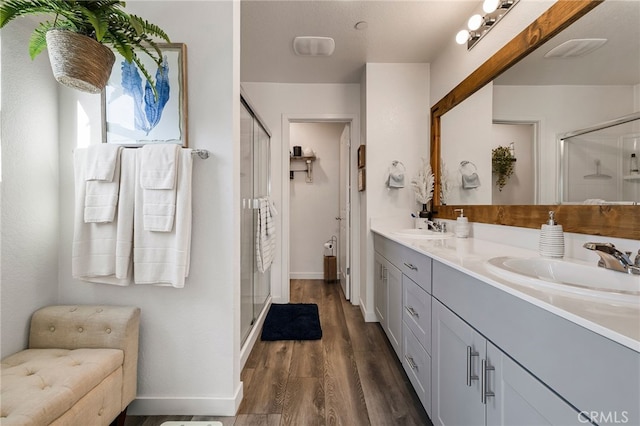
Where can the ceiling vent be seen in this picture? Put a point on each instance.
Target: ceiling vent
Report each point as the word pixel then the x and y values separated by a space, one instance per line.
pixel 314 46
pixel 576 47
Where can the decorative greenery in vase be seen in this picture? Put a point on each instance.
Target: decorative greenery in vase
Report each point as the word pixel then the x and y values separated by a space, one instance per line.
pixel 104 21
pixel 502 164
pixel 423 184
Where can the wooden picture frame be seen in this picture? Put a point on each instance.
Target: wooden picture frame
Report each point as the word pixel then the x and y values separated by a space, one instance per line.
pixel 361 156
pixel 132 115
pixel 362 179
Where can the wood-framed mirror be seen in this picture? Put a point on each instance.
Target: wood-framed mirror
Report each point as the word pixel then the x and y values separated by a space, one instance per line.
pixel 605 220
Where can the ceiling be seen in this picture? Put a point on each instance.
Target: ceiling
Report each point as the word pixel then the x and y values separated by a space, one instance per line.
pixel 398 32
pixel 416 31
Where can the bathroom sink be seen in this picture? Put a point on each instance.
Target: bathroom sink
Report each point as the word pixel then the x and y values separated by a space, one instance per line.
pixel 566 276
pixel 423 234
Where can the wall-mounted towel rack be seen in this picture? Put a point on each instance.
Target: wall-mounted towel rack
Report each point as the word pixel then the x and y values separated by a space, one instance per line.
pixel 202 153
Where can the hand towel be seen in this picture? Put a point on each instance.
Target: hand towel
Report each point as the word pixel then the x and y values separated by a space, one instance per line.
pixel 102 252
pixel 158 172
pixel 265 235
pixel 158 166
pixel 101 196
pixel 162 258
pixel 100 161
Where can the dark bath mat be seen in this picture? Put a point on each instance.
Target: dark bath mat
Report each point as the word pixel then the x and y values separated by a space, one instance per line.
pixel 293 321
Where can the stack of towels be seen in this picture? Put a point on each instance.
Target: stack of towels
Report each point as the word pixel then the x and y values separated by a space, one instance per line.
pixel 132 214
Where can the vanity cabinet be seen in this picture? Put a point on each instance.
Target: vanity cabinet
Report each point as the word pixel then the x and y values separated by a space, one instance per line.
pixel 475 383
pixel 541 368
pixel 402 300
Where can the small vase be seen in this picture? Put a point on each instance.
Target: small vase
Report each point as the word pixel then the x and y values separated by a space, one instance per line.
pixel 425 213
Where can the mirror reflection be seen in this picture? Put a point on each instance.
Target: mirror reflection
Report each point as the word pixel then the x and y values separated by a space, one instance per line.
pixel 592 77
pixel 600 165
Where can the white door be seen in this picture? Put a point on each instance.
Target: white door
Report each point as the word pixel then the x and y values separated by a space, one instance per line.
pixel 345 211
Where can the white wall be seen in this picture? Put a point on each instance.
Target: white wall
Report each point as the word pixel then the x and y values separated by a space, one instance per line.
pixel 29 203
pixel 276 103
pixel 397 110
pixel 189 359
pixel 314 206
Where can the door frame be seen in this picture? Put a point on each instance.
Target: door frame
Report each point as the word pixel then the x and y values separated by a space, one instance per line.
pixel 354 231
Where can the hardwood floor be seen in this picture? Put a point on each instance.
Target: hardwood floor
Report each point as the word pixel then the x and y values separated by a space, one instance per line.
pixel 349 377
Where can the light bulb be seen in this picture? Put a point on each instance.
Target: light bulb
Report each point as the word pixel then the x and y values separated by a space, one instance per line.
pixel 490 6
pixel 475 22
pixel 462 36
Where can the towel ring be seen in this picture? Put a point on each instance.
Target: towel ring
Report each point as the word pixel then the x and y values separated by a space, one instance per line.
pixel 396 163
pixel 465 163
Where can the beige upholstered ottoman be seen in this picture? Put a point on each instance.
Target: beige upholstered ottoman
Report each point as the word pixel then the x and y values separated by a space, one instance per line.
pixel 80 368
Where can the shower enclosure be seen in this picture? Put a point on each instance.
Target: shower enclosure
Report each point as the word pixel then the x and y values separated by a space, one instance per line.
pixel 254 184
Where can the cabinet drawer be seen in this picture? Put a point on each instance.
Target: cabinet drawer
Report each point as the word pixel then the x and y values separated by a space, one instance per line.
pixel 417 364
pixel 416 266
pixel 416 311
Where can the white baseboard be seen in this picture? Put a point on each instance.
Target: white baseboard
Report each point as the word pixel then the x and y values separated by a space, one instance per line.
pixel 368 316
pixel 306 275
pixel 188 406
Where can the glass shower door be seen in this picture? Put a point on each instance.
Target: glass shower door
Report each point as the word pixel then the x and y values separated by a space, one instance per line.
pixel 255 286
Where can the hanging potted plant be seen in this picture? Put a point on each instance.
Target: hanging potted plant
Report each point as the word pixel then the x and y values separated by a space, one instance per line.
pixel 80 36
pixel 502 164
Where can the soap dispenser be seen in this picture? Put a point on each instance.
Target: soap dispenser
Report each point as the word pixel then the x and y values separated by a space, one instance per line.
pixel 462 225
pixel 551 238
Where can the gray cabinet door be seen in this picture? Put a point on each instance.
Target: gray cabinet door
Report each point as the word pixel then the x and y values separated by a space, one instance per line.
pixel 521 399
pixel 380 290
pixel 394 308
pixel 457 350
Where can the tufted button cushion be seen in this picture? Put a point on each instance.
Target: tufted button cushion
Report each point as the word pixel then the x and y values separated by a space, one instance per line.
pixel 42 384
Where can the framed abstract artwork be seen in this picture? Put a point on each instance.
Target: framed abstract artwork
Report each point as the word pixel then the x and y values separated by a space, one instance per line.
pixel 132 115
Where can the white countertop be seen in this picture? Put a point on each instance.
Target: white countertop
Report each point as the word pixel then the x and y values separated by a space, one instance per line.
pixel 620 323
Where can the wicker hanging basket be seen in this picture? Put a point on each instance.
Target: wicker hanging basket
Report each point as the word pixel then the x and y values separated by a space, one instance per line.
pixel 78 61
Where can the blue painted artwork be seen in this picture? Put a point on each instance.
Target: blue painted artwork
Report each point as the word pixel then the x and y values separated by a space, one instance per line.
pixel 147 108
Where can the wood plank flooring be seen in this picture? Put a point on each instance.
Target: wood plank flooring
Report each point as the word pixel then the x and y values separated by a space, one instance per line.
pixel 349 377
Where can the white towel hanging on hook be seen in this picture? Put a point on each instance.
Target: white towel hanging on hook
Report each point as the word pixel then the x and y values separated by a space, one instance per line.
pixel 396 175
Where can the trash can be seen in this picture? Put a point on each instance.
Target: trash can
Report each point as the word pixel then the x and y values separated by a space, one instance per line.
pixel 330 269
pixel 330 264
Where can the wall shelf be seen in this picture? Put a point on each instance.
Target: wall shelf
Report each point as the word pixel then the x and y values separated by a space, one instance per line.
pixel 308 159
pixel 631 177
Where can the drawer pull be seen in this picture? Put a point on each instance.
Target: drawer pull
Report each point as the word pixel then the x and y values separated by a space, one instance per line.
pixel 410 266
pixel 412 311
pixel 470 354
pixel 484 393
pixel 411 362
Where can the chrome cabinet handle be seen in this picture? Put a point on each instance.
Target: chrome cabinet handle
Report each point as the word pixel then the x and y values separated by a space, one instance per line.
pixel 384 273
pixel 484 393
pixel 470 354
pixel 412 311
pixel 411 362
pixel 410 266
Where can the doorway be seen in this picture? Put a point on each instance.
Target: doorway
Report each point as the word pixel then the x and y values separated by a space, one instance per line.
pixel 317 199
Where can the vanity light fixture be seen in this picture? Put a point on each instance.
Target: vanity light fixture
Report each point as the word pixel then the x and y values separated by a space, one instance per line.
pixel 479 25
pixel 313 46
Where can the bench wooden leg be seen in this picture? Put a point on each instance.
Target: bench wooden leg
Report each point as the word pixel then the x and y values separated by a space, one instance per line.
pixel 119 421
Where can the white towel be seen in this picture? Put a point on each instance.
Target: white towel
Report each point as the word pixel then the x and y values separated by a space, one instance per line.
pixel 158 172
pixel 101 196
pixel 100 161
pixel 265 236
pixel 158 166
pixel 162 258
pixel 102 252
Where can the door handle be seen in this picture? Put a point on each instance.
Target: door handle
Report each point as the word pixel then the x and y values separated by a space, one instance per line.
pixel 470 354
pixel 484 393
pixel 411 362
pixel 410 266
pixel 411 311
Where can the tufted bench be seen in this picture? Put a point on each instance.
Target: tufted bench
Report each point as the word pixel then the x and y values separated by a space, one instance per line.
pixel 80 368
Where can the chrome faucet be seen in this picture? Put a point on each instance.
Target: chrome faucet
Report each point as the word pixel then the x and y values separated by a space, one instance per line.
pixel 436 226
pixel 614 259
